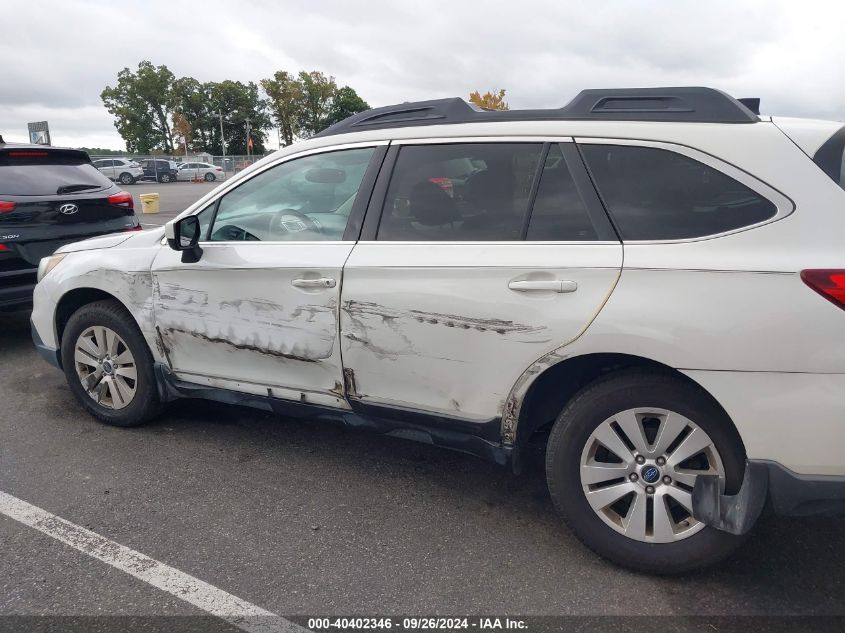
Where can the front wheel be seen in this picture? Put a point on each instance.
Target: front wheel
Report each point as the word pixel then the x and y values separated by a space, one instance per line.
pixel 108 365
pixel 165 178
pixel 621 464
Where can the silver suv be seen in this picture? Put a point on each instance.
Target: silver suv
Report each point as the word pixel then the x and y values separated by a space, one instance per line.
pixel 121 170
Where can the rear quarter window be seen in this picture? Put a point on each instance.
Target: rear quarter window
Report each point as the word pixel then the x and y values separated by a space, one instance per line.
pixel 657 194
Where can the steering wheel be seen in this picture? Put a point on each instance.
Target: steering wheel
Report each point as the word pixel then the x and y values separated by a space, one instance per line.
pixel 291 221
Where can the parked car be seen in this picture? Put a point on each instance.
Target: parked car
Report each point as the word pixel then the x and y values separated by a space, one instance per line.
pixel 160 170
pixel 200 171
pixel 121 170
pixel 49 197
pixel 653 280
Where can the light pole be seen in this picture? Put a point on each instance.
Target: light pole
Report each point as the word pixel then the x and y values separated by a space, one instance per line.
pixel 247 140
pixel 222 138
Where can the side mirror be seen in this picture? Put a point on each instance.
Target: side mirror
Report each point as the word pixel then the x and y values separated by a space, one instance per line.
pixel 184 235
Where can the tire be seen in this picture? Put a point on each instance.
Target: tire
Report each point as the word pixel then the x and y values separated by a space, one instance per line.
pixel 675 544
pixel 209 177
pixel 126 179
pixel 165 178
pixel 83 329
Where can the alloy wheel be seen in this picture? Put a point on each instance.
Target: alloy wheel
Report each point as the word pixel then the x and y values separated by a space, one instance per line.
pixel 638 469
pixel 105 367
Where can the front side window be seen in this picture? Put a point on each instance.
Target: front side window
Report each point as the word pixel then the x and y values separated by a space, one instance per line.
pixel 303 199
pixel 657 194
pixel 460 192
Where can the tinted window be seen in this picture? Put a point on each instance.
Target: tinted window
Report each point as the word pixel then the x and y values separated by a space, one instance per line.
pixel 656 194
pixel 459 192
pixel 559 214
pixel 44 179
pixel 307 198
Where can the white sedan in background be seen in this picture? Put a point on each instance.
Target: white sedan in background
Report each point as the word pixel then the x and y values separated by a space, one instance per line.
pixel 200 171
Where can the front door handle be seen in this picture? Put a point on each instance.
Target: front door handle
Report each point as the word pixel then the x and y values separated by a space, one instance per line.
pixel 553 285
pixel 322 282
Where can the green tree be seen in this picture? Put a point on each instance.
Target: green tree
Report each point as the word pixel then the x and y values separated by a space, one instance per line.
pixel 285 102
pixel 239 102
pixel 142 106
pixel 490 100
pixel 190 99
pixel 317 92
pixel 345 103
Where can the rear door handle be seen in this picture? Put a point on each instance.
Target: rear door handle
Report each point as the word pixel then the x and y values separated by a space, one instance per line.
pixel 553 285
pixel 322 282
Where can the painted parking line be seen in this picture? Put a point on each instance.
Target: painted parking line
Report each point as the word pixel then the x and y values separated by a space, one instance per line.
pixel 238 612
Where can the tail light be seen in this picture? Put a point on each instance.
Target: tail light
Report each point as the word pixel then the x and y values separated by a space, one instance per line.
pixel 828 283
pixel 3 247
pixel 6 206
pixel 122 199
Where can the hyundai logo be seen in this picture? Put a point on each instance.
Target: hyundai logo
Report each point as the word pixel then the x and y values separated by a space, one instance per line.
pixel 650 474
pixel 68 209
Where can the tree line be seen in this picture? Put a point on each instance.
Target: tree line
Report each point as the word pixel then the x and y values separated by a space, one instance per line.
pixel 156 112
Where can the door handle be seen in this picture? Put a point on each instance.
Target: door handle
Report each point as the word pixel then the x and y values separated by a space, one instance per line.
pixel 553 285
pixel 322 282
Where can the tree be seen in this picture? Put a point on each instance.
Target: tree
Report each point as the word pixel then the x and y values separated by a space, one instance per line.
pixel 141 104
pixel 182 130
pixel 489 100
pixel 317 93
pixel 191 100
pixel 239 102
pixel 345 103
pixel 285 100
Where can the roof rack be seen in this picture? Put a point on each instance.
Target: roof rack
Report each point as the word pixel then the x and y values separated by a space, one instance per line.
pixel 683 104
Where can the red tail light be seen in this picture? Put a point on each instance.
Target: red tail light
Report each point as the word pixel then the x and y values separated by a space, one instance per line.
pixel 122 199
pixel 3 248
pixel 28 154
pixel 828 283
pixel 5 206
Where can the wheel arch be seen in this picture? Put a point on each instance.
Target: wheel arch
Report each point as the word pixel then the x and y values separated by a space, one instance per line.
pixel 75 299
pixel 550 389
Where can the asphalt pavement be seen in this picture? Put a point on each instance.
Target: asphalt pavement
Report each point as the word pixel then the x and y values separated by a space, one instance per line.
pixel 305 518
pixel 174 197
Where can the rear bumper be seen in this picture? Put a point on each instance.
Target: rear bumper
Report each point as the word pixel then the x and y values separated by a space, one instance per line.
pixel 16 288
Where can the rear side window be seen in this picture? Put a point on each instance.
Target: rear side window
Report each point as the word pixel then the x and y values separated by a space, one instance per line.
pixel 44 176
pixel 460 192
pixel 657 194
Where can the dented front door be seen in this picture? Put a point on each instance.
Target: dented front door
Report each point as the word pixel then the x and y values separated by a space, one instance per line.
pixel 256 318
pixel 258 313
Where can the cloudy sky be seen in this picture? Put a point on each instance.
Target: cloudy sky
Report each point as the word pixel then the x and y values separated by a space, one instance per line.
pixel 59 55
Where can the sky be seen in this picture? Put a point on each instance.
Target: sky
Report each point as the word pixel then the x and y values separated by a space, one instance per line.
pixel 57 56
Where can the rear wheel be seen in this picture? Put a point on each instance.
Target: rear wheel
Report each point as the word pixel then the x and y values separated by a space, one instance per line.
pixel 108 365
pixel 127 179
pixel 209 177
pixel 621 463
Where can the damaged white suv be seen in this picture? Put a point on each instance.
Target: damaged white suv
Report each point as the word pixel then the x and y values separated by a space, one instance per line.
pixel 655 276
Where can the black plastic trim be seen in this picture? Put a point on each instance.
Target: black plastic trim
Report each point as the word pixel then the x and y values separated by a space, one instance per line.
pixel 805 495
pixel 599 216
pixel 479 439
pixel 51 355
pixel 372 219
pixel 535 187
pixel 688 104
pixel 362 199
pixel 829 156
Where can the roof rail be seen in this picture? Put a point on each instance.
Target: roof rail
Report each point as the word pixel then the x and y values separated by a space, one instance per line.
pixel 682 104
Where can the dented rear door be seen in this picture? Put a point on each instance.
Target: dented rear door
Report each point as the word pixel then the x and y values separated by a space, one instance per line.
pixel 485 259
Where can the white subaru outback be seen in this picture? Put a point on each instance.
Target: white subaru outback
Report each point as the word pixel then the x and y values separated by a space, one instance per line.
pixel 654 276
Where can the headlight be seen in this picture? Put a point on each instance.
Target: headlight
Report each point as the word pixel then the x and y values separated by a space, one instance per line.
pixel 49 263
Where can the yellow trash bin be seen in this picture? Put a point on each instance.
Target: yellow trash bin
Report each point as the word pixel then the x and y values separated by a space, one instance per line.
pixel 149 202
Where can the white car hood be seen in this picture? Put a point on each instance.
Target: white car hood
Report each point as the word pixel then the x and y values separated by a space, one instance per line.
pixel 140 238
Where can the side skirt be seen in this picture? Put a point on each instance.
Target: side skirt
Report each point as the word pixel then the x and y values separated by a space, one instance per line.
pixel 479 439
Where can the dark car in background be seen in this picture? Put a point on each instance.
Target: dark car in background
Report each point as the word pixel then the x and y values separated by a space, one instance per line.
pixel 50 197
pixel 160 170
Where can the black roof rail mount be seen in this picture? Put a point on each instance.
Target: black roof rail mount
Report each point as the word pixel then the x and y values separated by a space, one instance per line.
pixel 682 105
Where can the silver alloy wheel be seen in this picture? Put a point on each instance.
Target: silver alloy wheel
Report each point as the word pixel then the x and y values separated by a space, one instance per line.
pixel 105 367
pixel 638 469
